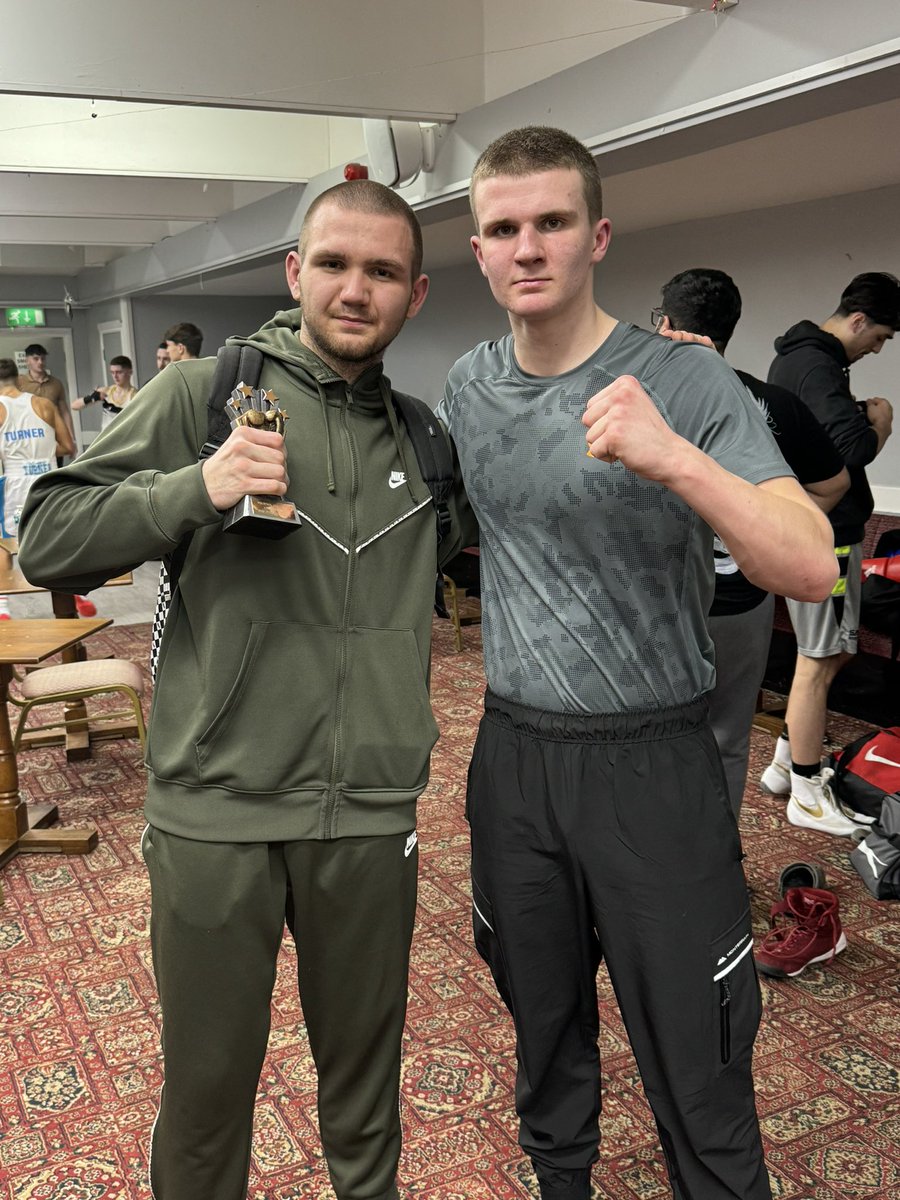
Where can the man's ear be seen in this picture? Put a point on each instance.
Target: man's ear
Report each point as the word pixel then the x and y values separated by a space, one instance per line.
pixel 292 270
pixel 417 299
pixel 475 243
pixel 602 238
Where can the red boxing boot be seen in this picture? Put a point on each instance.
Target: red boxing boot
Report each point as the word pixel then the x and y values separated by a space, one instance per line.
pixel 811 934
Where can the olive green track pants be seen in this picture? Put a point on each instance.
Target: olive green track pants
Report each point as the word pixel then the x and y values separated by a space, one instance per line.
pixel 218 915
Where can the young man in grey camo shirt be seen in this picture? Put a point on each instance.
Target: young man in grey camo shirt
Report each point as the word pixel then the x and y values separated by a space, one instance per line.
pixel 600 821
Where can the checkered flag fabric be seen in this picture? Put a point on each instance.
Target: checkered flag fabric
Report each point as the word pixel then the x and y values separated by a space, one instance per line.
pixel 163 600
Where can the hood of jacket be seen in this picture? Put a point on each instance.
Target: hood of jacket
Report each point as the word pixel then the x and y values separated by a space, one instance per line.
pixel 279 339
pixel 806 335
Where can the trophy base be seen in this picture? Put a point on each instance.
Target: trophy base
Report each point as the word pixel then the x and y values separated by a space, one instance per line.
pixel 262 516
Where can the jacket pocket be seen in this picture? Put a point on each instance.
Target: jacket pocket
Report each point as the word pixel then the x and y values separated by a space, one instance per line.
pixel 271 730
pixel 388 728
pixel 736 1002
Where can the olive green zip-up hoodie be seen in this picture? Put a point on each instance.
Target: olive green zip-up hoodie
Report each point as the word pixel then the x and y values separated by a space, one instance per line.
pixel 292 695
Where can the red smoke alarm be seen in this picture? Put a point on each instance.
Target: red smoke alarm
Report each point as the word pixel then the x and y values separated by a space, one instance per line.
pixel 356 171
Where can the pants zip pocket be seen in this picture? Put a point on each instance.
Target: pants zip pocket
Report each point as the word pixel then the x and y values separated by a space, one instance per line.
pixel 725 1020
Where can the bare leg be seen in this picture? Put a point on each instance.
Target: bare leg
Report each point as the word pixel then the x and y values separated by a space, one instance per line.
pixel 807 704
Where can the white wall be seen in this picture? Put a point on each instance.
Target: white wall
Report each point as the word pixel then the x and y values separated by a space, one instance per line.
pixel 218 317
pixel 789 263
pixel 458 313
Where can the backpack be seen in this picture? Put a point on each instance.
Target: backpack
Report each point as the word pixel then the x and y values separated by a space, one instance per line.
pixel 880 597
pixel 867 770
pixel 877 857
pixel 243 364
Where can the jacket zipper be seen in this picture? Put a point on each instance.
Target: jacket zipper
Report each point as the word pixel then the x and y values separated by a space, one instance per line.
pixel 330 813
pixel 725 1020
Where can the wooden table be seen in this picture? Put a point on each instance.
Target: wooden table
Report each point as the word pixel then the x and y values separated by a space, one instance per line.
pixel 75 735
pixel 23 826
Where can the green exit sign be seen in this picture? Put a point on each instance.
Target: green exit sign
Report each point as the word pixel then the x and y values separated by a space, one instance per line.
pixel 24 318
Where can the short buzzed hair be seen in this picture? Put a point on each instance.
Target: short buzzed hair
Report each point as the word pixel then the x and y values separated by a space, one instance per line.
pixel 367 196
pixel 8 370
pixel 536 148
pixel 121 360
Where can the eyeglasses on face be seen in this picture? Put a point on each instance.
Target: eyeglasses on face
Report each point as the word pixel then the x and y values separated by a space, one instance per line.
pixel 657 316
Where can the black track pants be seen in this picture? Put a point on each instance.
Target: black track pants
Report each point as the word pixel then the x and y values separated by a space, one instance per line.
pixel 612 837
pixel 218 915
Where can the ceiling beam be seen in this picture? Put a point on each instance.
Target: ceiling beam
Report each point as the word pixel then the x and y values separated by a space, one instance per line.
pixel 704 80
pixel 105 137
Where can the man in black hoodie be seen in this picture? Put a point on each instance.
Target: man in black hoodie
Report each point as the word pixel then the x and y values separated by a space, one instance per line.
pixel 814 362
pixel 707 302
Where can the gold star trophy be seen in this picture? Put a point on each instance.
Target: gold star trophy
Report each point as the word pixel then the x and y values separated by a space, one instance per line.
pixel 261 516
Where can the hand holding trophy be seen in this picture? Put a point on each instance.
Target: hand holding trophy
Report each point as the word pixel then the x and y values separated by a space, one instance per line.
pixel 261 516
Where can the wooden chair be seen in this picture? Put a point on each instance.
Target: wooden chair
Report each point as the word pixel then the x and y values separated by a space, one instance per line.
pixel 463 609
pixel 69 683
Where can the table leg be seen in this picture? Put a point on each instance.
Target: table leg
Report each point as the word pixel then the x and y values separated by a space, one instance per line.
pixel 78 738
pixel 13 819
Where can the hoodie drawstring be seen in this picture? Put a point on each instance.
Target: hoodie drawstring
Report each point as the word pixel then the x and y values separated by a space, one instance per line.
pixel 323 404
pixel 395 429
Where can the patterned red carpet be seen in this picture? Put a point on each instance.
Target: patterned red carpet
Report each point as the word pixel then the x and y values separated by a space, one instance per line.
pixel 79 1069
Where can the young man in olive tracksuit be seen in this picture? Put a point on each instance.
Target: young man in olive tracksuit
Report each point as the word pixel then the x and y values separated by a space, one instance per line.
pixel 291 728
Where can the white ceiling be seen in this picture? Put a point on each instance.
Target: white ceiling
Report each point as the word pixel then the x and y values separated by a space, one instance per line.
pixel 90 170
pixel 86 177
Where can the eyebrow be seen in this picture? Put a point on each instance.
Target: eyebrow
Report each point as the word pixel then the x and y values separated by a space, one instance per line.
pixel 553 212
pixel 391 263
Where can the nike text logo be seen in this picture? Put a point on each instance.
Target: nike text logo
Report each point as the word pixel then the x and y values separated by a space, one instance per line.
pixel 871 756
pixel 397 479
pixel 410 844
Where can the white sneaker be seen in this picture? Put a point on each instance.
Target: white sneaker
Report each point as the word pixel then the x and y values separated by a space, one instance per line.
pixel 776 778
pixel 813 805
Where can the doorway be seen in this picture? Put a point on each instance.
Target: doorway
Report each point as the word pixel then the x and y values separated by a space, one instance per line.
pixel 60 356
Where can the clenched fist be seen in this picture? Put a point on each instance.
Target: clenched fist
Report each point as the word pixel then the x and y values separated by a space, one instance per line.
pixel 250 463
pixel 625 425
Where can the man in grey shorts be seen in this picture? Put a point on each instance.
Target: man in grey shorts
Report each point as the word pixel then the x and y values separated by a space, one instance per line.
pixel 814 361
pixel 707 302
pixel 599 816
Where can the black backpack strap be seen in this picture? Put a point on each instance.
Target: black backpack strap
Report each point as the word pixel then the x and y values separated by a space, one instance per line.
pixel 435 459
pixel 234 365
pixel 433 454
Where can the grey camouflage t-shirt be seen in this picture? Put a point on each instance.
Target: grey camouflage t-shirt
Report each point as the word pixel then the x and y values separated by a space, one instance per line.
pixel 595 583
